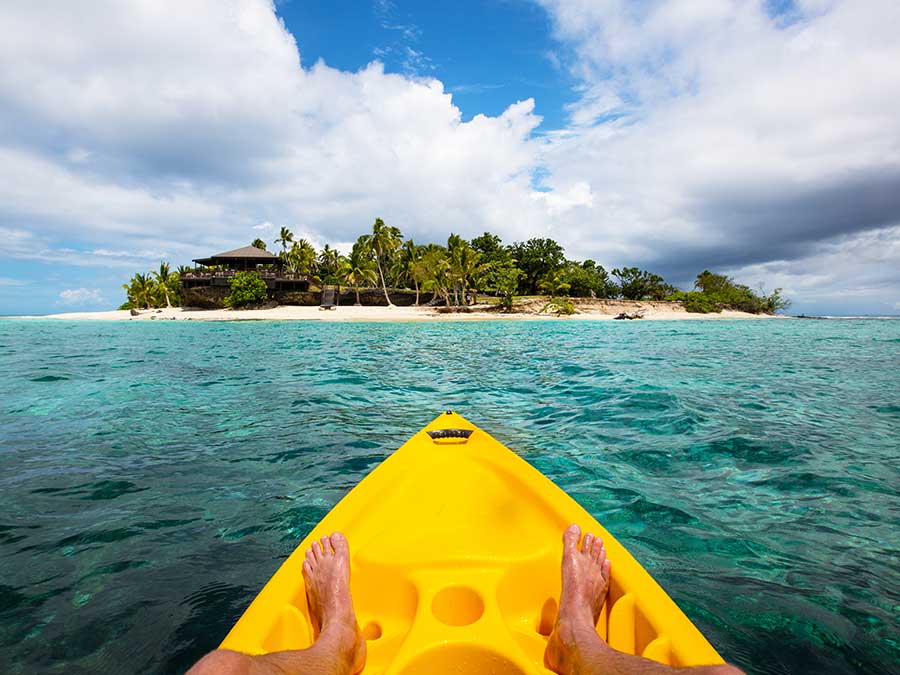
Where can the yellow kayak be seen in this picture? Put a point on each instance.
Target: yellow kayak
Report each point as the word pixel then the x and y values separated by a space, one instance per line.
pixel 455 546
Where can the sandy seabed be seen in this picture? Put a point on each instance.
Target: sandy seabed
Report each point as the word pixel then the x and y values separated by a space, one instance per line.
pixel 586 310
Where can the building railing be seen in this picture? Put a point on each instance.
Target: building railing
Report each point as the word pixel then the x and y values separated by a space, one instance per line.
pixel 227 274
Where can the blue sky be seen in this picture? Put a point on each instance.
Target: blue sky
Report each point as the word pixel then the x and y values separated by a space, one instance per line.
pixel 759 139
pixel 487 54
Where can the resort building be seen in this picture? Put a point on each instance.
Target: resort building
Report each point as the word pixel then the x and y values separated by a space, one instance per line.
pixel 218 269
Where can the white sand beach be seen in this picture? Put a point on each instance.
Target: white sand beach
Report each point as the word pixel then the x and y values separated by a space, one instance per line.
pixel 593 310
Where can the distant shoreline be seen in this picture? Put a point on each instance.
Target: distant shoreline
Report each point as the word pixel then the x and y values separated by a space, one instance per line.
pixel 592 310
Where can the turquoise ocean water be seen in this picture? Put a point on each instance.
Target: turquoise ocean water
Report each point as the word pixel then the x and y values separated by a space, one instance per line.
pixel 154 475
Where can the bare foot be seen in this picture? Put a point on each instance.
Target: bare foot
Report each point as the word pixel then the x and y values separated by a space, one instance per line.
pixel 326 572
pixel 585 582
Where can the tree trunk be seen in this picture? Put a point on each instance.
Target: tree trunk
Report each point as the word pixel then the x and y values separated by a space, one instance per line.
pixel 383 285
pixel 416 284
pixel 357 296
pixel 168 304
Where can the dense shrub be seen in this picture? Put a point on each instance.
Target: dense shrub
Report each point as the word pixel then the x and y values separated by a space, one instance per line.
pixel 560 306
pixel 246 288
pixel 700 303
pixel 716 292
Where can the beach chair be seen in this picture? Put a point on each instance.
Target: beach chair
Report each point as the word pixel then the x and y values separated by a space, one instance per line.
pixel 327 299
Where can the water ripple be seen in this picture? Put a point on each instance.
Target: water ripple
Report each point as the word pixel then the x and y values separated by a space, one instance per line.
pixel 153 476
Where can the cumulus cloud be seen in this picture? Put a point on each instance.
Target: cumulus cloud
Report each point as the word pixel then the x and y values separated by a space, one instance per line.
pixel 81 296
pixel 703 135
pixel 129 125
pixel 717 134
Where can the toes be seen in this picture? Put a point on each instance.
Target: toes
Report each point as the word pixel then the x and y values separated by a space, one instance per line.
pixel 596 548
pixel 571 537
pixel 307 568
pixel 587 543
pixel 340 545
pixel 310 557
pixel 606 568
pixel 317 550
pixel 326 546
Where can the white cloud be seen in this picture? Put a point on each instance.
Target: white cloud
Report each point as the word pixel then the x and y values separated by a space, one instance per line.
pixel 704 134
pixel 80 296
pixel 10 282
pixel 194 126
pixel 712 134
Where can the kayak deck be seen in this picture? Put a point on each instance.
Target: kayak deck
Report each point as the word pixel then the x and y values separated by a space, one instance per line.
pixel 455 548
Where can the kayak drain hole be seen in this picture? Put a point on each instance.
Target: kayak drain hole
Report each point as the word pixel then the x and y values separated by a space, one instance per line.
pixel 372 631
pixel 457 606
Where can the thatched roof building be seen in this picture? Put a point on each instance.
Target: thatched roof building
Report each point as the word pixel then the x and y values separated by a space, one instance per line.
pixel 245 258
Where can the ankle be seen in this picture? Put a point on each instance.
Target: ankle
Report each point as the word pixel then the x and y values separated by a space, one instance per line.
pixel 576 620
pixel 344 635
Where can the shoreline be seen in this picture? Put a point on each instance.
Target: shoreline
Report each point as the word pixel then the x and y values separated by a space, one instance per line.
pixel 587 310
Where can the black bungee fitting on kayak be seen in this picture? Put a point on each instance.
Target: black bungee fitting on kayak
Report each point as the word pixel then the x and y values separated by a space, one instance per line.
pixel 449 433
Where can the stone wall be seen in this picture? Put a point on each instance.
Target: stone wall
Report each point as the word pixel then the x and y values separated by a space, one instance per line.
pixel 375 297
pixel 212 297
pixel 204 297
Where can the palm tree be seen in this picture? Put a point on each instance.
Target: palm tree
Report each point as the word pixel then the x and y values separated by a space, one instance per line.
pixel 465 264
pixel 329 261
pixel 555 284
pixel 419 274
pixel 301 259
pixel 385 241
pixel 140 290
pixel 407 262
pixel 436 272
pixel 359 268
pixel 284 238
pixel 261 245
pixel 166 281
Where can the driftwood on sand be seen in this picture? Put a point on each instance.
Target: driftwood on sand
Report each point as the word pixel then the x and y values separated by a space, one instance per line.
pixel 635 315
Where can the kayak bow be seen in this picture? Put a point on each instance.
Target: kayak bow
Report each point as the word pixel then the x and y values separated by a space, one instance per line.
pixel 455 547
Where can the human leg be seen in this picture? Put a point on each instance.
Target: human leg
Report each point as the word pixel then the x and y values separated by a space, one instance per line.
pixel 574 647
pixel 339 648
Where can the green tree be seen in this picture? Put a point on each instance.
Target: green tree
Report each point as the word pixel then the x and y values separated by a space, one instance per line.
pixel 285 237
pixel 384 240
pixel 536 258
pixel 588 279
pixel 328 263
pixel 638 284
pixel 722 292
pixel 437 273
pixel 465 265
pixel 406 265
pixel 504 280
pixel 491 248
pixel 301 258
pixel 554 284
pixel 360 267
pixel 141 291
pixel 167 282
pixel 260 244
pixel 246 288
pixel 694 301
pixel 776 302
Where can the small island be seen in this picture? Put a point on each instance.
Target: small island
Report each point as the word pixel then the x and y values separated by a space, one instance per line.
pixel 385 277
